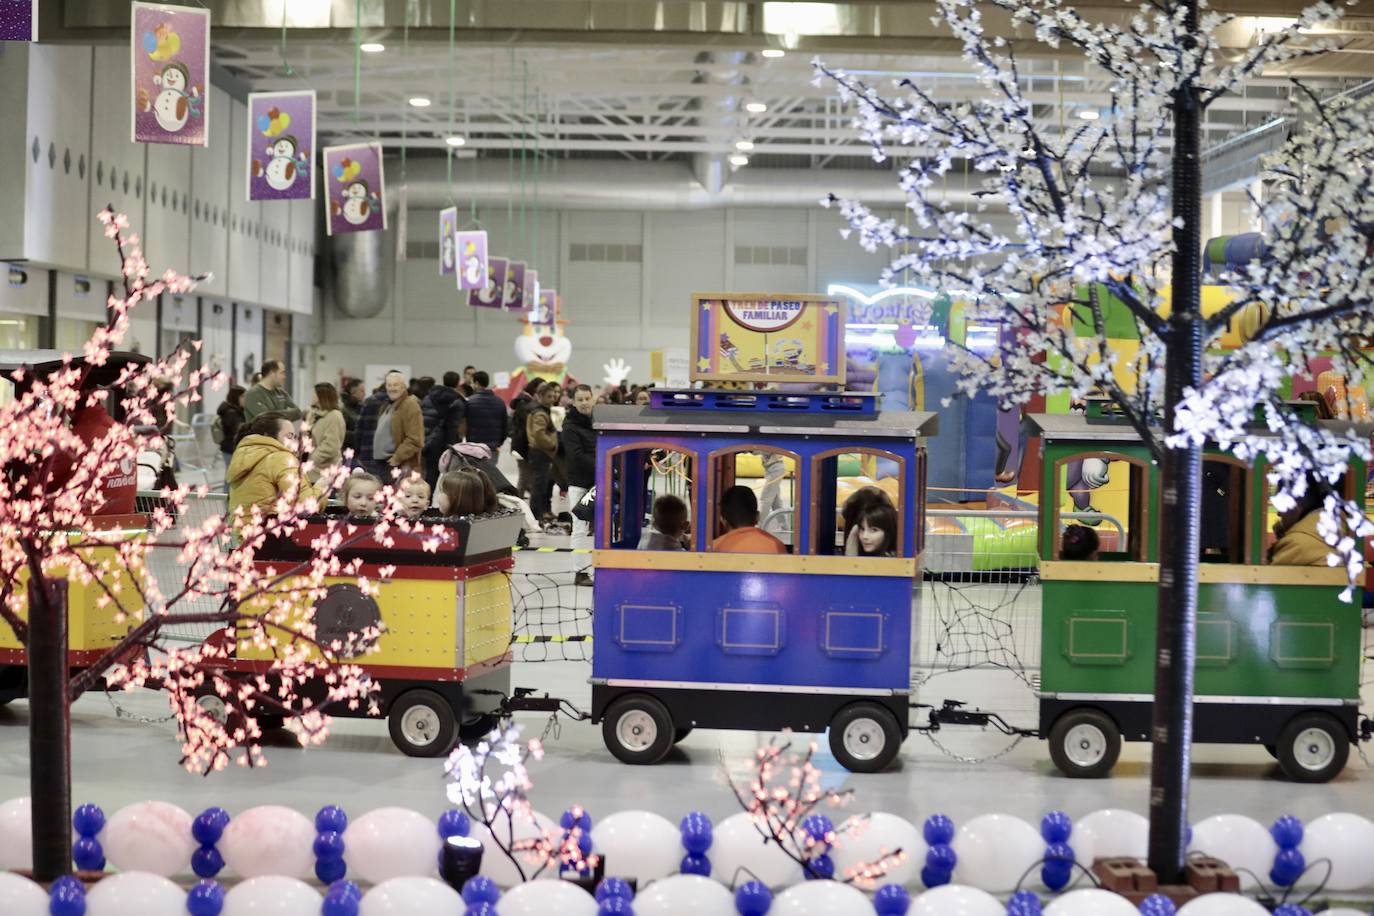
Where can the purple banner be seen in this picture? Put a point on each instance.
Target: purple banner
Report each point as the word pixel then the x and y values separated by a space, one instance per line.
pixel 472 259
pixel 18 20
pixel 169 55
pixel 448 229
pixel 281 145
pixel 513 299
pixel 355 188
pixel 489 296
pixel 531 294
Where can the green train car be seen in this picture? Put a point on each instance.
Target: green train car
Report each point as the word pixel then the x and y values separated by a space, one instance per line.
pixel 1278 652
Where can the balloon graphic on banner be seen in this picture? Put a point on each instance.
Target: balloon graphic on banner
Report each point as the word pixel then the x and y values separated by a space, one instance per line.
pixel 281 143
pixel 169 58
pixel 356 188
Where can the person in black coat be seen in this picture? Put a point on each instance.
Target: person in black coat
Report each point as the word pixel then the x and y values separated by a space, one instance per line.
pixel 230 415
pixel 579 458
pixel 442 409
pixel 488 419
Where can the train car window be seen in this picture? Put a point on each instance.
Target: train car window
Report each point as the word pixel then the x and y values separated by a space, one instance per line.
pixel 1225 495
pixel 638 477
pixel 1105 496
pixel 770 475
pixel 859 490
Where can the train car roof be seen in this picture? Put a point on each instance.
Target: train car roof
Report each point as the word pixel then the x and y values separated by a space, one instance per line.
pixel 43 362
pixel 1076 426
pixel 890 424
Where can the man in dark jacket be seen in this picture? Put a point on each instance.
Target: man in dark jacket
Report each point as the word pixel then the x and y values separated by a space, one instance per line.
pixel 487 417
pixel 367 431
pixel 542 450
pixel 443 410
pixel 351 404
pixel 579 459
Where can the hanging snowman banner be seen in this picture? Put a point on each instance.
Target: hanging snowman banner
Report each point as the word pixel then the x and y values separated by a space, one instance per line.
pixel 489 296
pixel 513 299
pixel 18 20
pixel 281 142
pixel 530 298
pixel 448 230
pixel 355 196
pixel 169 55
pixel 472 259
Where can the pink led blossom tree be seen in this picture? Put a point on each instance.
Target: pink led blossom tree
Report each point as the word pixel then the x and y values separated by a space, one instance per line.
pixel 57 536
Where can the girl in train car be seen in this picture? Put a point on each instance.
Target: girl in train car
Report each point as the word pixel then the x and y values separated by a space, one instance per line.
pixel 466 492
pixel 360 495
pixel 874 531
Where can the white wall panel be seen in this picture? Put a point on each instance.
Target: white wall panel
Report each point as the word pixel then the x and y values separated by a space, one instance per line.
pixel 27 298
pixel 686 253
pixel 245 247
pixel 82 297
pixel 119 164
pixel 217 342
pixel 210 202
pixel 247 341
pixel 56 221
pixel 300 260
pixel 167 231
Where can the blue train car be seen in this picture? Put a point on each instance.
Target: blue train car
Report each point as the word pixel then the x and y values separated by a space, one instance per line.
pixel 809 639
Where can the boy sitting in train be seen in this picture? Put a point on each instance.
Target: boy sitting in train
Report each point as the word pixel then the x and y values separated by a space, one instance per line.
pixel 1078 542
pixel 668 529
pixel 739 512
pixel 415 497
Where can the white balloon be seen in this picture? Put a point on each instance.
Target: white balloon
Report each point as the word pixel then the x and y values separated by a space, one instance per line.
pixel 681 895
pixel 497 866
pixel 1112 832
pixel 149 836
pixel 16 834
pixel 1220 905
pixel 995 850
pixel 135 892
pixel 821 898
pixel 1090 901
pixel 392 843
pixel 411 894
pixel 271 895
pixel 21 897
pixel 865 839
pixel 1241 842
pixel 1347 840
pixel 639 845
pixel 270 840
pixel 544 898
pixel 956 900
pixel 738 854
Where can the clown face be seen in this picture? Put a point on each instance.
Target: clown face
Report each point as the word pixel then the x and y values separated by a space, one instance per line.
pixel 356 208
pixel 543 347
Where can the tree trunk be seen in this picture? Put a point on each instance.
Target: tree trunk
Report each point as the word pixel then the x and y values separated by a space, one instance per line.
pixel 1172 731
pixel 50 730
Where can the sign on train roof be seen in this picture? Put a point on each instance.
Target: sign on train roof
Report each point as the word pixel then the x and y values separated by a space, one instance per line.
pixel 767 337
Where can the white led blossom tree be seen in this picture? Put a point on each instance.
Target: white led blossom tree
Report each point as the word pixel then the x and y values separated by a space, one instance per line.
pixel 1115 204
pixel 56 535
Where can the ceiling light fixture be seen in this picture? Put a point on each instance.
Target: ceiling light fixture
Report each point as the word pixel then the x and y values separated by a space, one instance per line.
pixel 1089 114
pixel 372 47
pixel 739 159
pixel 755 107
pixel 744 145
pixel 773 52
pixel 455 141
pixel 420 101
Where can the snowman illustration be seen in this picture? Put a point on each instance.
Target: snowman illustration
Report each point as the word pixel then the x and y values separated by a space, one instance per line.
pixel 489 294
pixel 446 248
pixel 472 270
pixel 176 102
pixel 357 203
pixel 284 164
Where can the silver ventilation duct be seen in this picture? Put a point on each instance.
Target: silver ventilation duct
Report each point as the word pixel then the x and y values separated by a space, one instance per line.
pixel 712 169
pixel 361 266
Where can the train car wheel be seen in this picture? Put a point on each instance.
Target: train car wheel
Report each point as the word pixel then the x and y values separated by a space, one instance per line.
pixel 476 727
pixel 1313 747
pixel 638 729
pixel 1084 744
pixel 681 733
pixel 864 737
pixel 422 724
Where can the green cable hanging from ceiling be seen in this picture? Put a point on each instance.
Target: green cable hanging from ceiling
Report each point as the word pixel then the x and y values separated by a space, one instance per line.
pixel 524 135
pixel 357 55
pixel 452 150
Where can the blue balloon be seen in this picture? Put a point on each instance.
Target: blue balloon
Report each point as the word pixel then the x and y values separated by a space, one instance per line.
pixel 696 832
pixel 264 122
pixel 67 897
pixel 941 857
pixel 481 909
pixel 88 820
pixel 938 830
pixel 891 900
pixel 206 862
pixel 87 854
pixel 454 823
pixel 1157 905
pixel 752 899
pixel 1287 832
pixel 693 864
pixel 614 887
pixel 480 889
pixel 1058 867
pixel 149 42
pixel 208 827
pixel 1024 903
pixel 584 844
pixel 615 906
pixel 1056 827
pixel 330 870
pixel 342 899
pixel 1292 909
pixel 345 889
pixel 822 867
pixel 205 899
pixel 1289 865
pixel 329 845
pixel 935 877
pixel 331 818
pixel 818 825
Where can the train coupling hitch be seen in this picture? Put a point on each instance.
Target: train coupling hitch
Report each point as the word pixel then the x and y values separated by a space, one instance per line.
pixel 953 712
pixel 523 700
pixel 1366 728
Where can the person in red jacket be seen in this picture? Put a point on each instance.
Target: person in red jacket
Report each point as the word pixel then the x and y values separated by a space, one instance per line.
pixel 118 482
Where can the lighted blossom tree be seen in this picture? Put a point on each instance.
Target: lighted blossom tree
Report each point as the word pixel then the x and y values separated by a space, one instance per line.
pixel 56 535
pixel 1115 205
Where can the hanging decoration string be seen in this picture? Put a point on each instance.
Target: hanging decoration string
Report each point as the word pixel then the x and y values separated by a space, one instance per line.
pixel 285 64
pixel 524 135
pixel 452 150
pixel 510 150
pixel 538 167
pixel 357 55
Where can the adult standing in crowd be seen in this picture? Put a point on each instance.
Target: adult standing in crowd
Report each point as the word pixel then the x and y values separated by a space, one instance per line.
pixel 579 457
pixel 265 467
pixel 520 407
pixel 542 437
pixel 367 430
pixel 351 404
pixel 442 410
pixel 399 441
pixel 486 414
pixel 269 395
pixel 327 431
pixel 230 416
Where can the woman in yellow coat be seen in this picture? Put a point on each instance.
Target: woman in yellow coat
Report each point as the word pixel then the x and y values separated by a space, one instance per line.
pixel 265 467
pixel 1299 543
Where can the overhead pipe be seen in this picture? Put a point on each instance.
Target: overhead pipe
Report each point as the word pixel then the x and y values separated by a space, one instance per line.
pixel 712 170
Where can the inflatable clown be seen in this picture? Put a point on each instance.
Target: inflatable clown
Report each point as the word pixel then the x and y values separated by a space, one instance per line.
pixel 543 350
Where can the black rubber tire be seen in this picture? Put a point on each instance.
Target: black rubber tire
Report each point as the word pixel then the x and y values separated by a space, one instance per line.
pixel 1272 751
pixel 1089 717
pixel 445 735
pixel 887 723
pixel 660 741
pixel 681 733
pixel 1288 747
pixel 270 721
pixel 475 728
